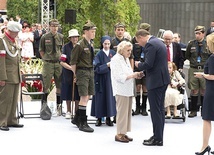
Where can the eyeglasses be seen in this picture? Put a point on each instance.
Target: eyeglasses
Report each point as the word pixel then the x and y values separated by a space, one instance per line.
pixel 107 43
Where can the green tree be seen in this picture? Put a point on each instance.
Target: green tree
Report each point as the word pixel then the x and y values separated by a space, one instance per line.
pixel 28 10
pixel 103 13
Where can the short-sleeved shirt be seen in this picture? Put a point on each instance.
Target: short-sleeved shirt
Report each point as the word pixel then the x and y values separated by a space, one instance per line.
pixel 46 45
pixel 82 55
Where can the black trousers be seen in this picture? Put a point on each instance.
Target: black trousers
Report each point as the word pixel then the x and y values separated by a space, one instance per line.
pixel 156 101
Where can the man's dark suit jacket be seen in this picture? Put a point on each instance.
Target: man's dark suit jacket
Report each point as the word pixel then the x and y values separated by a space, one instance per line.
pixel 155 64
pixel 178 57
pixel 209 31
pixel 37 38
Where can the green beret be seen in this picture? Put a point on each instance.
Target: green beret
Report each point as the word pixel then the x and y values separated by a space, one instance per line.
pixel 200 28
pixel 145 26
pixel 54 22
pixel 119 25
pixel 89 25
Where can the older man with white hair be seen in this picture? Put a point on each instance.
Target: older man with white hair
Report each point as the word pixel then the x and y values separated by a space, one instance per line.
pixel 9 77
pixel 174 53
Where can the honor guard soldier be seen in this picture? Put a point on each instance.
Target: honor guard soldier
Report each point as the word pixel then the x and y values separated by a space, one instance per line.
pixel 138 53
pixel 197 53
pixel 9 77
pixel 82 66
pixel 50 49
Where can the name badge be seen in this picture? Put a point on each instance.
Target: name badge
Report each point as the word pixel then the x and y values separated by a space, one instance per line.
pixel 86 49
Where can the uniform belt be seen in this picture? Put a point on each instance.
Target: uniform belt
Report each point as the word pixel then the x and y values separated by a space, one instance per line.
pixel 198 67
pixel 52 61
pixel 85 68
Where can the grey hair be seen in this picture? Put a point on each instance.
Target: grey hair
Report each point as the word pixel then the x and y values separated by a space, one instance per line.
pixel 168 32
pixel 122 45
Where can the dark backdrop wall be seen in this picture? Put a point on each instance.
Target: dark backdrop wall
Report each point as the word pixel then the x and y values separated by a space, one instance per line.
pixel 177 15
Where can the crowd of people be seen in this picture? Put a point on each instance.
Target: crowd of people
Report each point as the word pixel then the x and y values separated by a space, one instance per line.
pixel 143 66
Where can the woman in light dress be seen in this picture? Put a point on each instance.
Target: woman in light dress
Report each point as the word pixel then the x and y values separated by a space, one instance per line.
pixel 26 38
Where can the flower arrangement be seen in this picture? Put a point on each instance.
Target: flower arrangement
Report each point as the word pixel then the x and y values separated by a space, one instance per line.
pixel 34 66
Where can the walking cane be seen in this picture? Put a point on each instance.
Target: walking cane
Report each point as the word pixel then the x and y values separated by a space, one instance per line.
pixel 72 106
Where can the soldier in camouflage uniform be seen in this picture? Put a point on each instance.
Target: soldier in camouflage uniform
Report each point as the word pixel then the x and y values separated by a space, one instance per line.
pixel 197 53
pixel 50 49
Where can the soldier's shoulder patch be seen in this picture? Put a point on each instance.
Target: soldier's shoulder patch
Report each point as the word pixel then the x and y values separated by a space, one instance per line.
pixel 191 41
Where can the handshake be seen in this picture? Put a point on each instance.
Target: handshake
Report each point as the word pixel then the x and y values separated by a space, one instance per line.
pixel 139 75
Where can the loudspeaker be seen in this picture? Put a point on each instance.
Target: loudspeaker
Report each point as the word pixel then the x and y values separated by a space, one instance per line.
pixel 70 16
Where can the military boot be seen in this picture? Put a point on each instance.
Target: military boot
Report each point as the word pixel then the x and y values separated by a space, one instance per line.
pixel 192 114
pixel 75 120
pixel 137 110
pixel 83 125
pixel 143 107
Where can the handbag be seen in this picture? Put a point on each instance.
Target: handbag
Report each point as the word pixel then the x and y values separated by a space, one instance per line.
pixel 45 112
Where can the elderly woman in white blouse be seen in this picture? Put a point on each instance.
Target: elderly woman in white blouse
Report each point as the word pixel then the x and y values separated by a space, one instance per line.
pixel 122 77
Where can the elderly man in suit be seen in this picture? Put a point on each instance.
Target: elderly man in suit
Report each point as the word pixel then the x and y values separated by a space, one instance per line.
pixel 157 80
pixel 174 53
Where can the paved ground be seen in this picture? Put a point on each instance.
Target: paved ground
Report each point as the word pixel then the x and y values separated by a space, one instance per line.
pixel 59 136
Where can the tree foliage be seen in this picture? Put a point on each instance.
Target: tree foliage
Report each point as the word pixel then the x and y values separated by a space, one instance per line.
pixel 28 10
pixel 104 13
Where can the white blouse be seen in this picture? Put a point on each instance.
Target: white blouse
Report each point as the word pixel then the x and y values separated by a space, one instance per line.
pixel 120 69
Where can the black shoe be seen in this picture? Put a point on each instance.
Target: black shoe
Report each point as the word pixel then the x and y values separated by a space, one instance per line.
pixel 85 127
pixel 144 113
pixel 4 128
pixel 212 152
pixel 153 142
pixel 98 122
pixel 147 140
pixel 109 122
pixel 207 149
pixel 16 125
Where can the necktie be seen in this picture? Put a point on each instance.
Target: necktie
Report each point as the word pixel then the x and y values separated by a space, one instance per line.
pixel 168 53
pixel 54 45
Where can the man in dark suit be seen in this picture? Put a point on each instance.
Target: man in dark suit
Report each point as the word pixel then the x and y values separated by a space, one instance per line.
pixel 157 80
pixel 37 36
pixel 175 52
pixel 211 29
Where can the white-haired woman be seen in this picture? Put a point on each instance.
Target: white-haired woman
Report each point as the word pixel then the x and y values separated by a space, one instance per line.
pixel 122 77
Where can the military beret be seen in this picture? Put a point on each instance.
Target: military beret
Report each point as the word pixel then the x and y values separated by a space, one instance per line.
pixel 145 26
pixel 54 22
pixel 200 28
pixel 119 25
pixel 89 25
pixel 14 26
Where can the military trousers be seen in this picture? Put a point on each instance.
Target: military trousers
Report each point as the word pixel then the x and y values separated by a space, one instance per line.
pixel 8 104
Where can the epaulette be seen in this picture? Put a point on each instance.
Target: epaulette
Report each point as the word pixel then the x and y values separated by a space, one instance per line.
pixel 79 42
pixel 191 41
